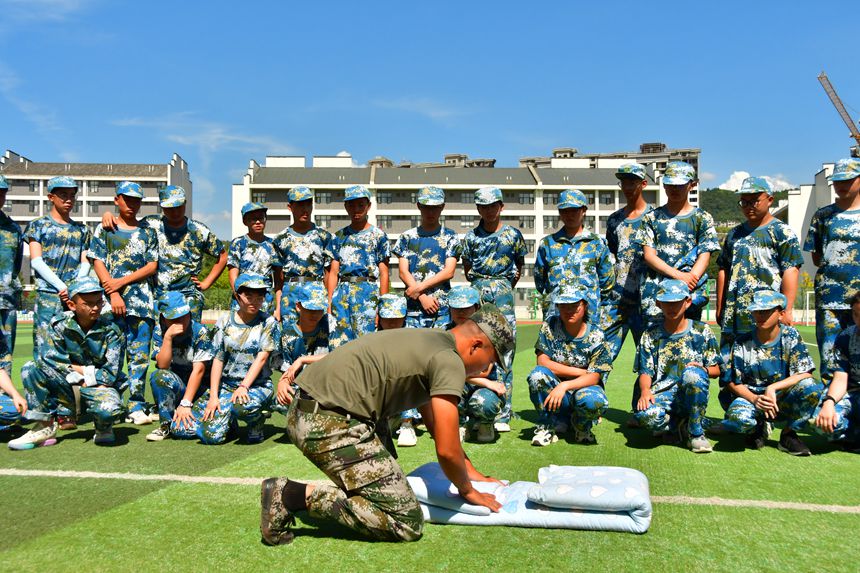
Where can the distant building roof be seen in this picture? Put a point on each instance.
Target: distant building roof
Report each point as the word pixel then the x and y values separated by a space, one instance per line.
pixel 582 177
pixel 107 170
pixel 312 176
pixel 454 176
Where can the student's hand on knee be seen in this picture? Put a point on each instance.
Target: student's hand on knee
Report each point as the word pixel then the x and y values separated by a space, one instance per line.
pixel 212 406
pixel 20 404
pixel 826 419
pixel 182 417
pixel 553 401
pixel 285 392
pixel 240 396
pixel 499 389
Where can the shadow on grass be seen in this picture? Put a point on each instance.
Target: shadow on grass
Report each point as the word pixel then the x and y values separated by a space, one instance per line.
pixel 637 438
pixel 122 433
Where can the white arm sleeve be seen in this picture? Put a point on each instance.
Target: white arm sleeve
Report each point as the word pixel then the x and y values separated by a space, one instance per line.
pixel 84 269
pixel 46 273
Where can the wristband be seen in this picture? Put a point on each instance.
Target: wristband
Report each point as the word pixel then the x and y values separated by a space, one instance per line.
pixel 828 397
pixel 185 403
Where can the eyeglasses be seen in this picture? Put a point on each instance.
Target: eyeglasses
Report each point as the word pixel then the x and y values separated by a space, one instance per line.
pixel 253 217
pixel 749 202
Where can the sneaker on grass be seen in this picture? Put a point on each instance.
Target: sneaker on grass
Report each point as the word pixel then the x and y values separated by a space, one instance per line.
pixel 791 444
pixel 485 433
pixel 584 437
pixel 256 435
pixel 502 427
pixel 43 434
pixel 67 423
pixel 543 436
pixel 104 437
pixel 138 418
pixel 406 437
pixel 700 445
pixel 160 433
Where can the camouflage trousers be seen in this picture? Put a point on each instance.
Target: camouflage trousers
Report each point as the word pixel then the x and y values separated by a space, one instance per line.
pixel 438 320
pixel 580 408
pixel 138 339
pixel 371 494
pixel 687 398
pixel 215 431
pixel 499 292
pixel 290 295
pixel 167 390
pixel 48 305
pixel 9 415
pixel 829 322
pixel 616 321
pixel 353 311
pixel 8 326
pixel 847 418
pixel 47 395
pixel 796 405
pixel 479 405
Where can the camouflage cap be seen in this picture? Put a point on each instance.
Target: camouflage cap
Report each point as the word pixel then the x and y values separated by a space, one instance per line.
pixel 431 196
pixel 846 169
pixel 63 182
pixel 129 189
pixel 673 290
pixel 313 297
pixel 250 280
pixel 678 173
pixel 569 293
pixel 4 183
pixel 631 170
pixel 463 296
pixel 356 192
pixel 755 185
pixel 572 199
pixel 250 207
pixel 84 285
pixel 392 306
pixel 171 196
pixel 766 300
pixel 172 305
pixel 300 193
pixel 488 196
pixel 494 324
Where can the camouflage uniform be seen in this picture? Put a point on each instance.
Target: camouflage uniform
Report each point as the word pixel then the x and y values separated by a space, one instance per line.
pixel 845 357
pixel 293 343
pixel 303 259
pixel 8 413
pixel 249 256
pixel 11 253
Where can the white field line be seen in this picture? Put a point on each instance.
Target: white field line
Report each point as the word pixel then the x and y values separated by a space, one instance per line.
pixel 215 480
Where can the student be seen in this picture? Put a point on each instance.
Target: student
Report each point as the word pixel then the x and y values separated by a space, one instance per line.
pixel 241 386
pixel 493 255
pixel 677 241
pixel 12 404
pixel 183 359
pixel 182 243
pixel 125 261
pixel 301 249
pixel 58 248
pixel 838 415
pixel 761 254
pixel 427 260
pixel 359 256
pixel 624 311
pixel 574 254
pixel 255 253
pixel 11 253
pixel 566 386
pixel 386 372
pixel 85 348
pixel 834 241
pixel 770 379
pixel 676 357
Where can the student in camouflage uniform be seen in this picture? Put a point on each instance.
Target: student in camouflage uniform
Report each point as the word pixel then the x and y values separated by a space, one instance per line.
pixel 182 243
pixel 301 248
pixel 125 261
pixel 493 254
pixel 427 260
pixel 838 415
pixel 566 387
pixel 623 314
pixel 85 348
pixel 183 358
pixel 574 254
pixel 301 343
pixel 761 254
pixel 834 241
pixel 11 253
pixel 387 372
pixel 676 358
pixel 677 241
pixel 12 404
pixel 359 256
pixel 255 253
pixel 770 379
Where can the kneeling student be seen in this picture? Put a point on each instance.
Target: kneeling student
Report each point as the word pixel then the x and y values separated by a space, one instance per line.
pixel 676 357
pixel 566 386
pixel 12 404
pixel 85 348
pixel 770 378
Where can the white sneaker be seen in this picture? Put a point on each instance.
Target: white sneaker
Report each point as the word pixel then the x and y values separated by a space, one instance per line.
pixel 160 433
pixel 543 436
pixel 485 433
pixel 406 437
pixel 138 418
pixel 585 437
pixel 43 436
pixel 153 415
pixel 502 427
pixel 105 437
pixel 700 445
pixel 462 434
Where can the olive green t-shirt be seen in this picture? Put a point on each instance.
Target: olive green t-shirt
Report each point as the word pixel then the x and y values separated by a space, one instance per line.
pixel 384 373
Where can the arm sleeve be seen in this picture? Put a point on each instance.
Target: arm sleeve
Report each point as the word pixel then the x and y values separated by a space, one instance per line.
pixel 40 266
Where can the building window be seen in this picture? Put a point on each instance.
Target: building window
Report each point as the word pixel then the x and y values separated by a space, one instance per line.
pixel 527 198
pixel 528 271
pixel 94 187
pixel 383 197
pixel 607 198
pixel 33 206
pixel 550 199
pixel 603 223
pixel 323 221
pixel 76 210
pixel 323 197
pixel 467 221
pixel 590 223
pixel 258 197
pixel 526 222
pixel 413 197
pixel 94 208
pixel 383 221
pixel 34 186
pixel 467 197
pixel 415 220
pixel 530 246
pixel 550 222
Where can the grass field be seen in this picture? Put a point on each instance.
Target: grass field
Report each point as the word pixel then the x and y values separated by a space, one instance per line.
pixel 60 523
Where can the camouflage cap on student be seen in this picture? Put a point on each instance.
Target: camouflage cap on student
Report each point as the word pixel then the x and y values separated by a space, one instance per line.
pixel 569 293
pixel 250 207
pixel 488 195
pixel 171 196
pixel 755 185
pixel 631 170
pixel 678 173
pixel 250 280
pixel 62 182
pixel 463 296
pixel 172 305
pixel 84 285
pixel 572 199
pixel 129 189
pixel 766 300
pixel 313 297
pixel 494 324
pixel 846 169
pixel 431 196
pixel 673 290
pixel 300 193
pixel 392 306
pixel 356 192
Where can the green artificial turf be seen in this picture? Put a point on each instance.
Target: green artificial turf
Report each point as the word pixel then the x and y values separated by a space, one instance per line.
pixel 56 524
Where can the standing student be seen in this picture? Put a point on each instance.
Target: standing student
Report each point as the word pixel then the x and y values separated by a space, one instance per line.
pixel 834 241
pixel 255 253
pixel 359 256
pixel 11 253
pixel 125 261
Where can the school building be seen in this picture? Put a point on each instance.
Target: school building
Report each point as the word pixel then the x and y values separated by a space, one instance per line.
pixel 530 190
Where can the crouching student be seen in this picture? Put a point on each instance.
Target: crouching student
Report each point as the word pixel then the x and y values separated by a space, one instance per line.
pixel 85 348
pixel 566 386
pixel 676 357
pixel 301 342
pixel 12 404
pixel 770 379
pixel 183 357
pixel 240 387
pixel 838 415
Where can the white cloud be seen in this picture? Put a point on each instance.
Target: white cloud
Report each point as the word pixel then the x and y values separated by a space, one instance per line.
pixel 707 176
pixel 219 222
pixel 43 118
pixel 424 106
pixel 777 181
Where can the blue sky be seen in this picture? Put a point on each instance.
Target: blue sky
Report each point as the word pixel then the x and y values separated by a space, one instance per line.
pixel 221 83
